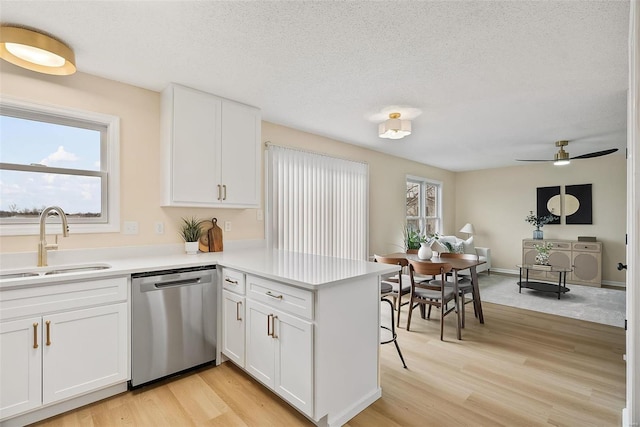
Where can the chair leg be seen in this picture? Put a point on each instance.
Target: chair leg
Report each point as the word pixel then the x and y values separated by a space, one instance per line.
pixel 399 304
pixel 458 317
pixel 400 354
pixel 411 307
pixel 463 308
pixel 442 309
pixel 429 313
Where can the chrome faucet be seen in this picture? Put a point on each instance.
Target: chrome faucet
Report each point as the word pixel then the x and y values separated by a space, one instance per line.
pixel 43 246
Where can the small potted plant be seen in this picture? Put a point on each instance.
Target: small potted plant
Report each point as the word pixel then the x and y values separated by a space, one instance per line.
pixel 191 232
pixel 542 257
pixel 539 222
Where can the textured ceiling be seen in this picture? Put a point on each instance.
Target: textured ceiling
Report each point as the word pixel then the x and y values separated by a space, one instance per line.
pixel 493 81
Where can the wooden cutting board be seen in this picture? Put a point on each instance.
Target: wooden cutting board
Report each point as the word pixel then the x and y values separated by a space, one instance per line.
pixel 215 237
pixel 203 243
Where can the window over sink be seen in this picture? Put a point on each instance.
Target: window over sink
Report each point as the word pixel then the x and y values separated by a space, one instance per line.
pixel 57 156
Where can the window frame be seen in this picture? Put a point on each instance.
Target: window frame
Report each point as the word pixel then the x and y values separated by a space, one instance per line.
pixel 422 218
pixel 109 168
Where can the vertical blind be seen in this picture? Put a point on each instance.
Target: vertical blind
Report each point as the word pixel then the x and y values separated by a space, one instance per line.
pixel 317 204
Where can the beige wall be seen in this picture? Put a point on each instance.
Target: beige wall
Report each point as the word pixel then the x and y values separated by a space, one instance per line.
pixel 139 112
pixel 496 201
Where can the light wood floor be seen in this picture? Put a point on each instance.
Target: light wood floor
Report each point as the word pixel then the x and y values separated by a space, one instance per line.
pixel 520 368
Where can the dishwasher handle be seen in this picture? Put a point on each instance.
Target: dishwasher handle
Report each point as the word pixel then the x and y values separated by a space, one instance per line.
pixel 157 286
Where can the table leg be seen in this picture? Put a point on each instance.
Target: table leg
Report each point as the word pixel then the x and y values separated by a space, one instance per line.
pixel 477 303
pixel 560 284
pixel 520 282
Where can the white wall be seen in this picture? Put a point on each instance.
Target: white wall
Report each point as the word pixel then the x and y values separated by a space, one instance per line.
pixel 496 201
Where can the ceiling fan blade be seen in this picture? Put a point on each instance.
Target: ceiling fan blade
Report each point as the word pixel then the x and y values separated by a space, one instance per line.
pixel 596 154
pixel 533 160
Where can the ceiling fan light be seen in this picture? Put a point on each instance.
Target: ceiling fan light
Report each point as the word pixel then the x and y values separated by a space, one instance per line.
pixel 36 52
pixel 394 128
pixel 561 162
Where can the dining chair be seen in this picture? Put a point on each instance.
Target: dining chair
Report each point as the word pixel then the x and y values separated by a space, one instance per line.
pixel 423 294
pixel 464 284
pixel 399 282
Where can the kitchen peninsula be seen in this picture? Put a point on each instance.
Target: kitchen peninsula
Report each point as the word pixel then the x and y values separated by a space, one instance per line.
pixel 303 338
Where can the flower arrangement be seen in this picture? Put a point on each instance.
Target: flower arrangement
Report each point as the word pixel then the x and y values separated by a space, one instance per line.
pixel 542 257
pixel 413 238
pixel 539 221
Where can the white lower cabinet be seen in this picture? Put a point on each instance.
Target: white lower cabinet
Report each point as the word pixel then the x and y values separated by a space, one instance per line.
pixel 233 327
pixel 50 355
pixel 83 351
pixel 279 353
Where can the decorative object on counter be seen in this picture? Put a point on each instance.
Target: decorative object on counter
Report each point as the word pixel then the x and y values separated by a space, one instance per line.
pixel 191 232
pixel 215 237
pixel 542 257
pixel 587 239
pixel 539 222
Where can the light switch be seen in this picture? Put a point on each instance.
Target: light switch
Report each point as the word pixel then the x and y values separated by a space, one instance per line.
pixel 159 227
pixel 227 226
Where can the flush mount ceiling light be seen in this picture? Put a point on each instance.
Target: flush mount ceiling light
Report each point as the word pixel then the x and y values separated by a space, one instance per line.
pixel 394 128
pixel 36 52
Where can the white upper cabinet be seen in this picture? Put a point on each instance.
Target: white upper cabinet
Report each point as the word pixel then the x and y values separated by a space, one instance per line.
pixel 210 150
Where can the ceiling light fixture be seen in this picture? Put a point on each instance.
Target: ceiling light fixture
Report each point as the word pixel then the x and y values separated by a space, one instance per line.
pixel 36 52
pixel 394 128
pixel 561 157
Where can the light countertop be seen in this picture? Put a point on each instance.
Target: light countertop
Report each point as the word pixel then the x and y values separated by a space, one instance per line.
pixel 301 270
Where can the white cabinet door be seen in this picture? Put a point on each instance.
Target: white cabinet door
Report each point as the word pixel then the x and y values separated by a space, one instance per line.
pixel 260 356
pixel 233 327
pixel 20 366
pixel 84 350
pixel 294 361
pixel 280 353
pixel 191 147
pixel 241 165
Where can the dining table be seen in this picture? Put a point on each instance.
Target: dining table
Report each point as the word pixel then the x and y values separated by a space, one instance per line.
pixel 457 265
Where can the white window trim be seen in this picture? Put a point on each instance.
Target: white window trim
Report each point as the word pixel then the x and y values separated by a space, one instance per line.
pixel 112 159
pixel 440 185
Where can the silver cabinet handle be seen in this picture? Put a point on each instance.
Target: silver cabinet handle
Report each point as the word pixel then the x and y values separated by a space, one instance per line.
pixel 233 282
pixel 269 294
pixel 238 305
pixel 224 197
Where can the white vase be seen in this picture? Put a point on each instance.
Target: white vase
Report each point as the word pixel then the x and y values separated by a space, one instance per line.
pixel 425 251
pixel 191 248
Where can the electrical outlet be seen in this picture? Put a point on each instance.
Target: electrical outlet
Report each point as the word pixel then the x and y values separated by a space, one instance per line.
pixel 130 227
pixel 159 227
pixel 227 226
pixel 259 215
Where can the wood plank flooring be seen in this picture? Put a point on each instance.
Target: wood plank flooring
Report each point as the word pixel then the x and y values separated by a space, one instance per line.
pixel 521 368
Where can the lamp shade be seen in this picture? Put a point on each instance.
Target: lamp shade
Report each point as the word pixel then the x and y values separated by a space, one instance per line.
pixel 468 228
pixel 394 128
pixel 36 52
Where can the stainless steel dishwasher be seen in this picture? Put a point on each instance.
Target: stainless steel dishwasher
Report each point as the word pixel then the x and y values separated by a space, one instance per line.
pixel 173 322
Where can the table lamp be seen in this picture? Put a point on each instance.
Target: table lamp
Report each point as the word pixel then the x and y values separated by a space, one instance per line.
pixel 468 228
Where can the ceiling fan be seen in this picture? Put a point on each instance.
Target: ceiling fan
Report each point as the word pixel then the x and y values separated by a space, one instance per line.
pixel 562 157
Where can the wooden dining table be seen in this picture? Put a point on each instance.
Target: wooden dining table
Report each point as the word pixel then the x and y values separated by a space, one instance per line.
pixel 457 264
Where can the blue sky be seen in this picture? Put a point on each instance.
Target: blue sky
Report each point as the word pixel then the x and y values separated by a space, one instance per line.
pixel 26 142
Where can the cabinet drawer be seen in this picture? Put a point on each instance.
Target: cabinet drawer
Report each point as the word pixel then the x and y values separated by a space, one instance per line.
pixel 586 247
pixel 61 296
pixel 561 246
pixel 283 297
pixel 233 281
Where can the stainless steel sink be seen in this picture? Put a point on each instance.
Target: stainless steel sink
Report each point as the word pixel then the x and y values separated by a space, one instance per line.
pixel 48 271
pixel 77 269
pixel 18 275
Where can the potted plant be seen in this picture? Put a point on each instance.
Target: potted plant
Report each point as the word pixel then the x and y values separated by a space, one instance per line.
pixel 539 222
pixel 419 242
pixel 542 257
pixel 191 232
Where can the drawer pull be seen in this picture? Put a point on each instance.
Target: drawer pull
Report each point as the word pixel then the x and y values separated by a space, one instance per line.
pixel 35 335
pixel 273 296
pixel 48 323
pixel 238 305
pixel 233 282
